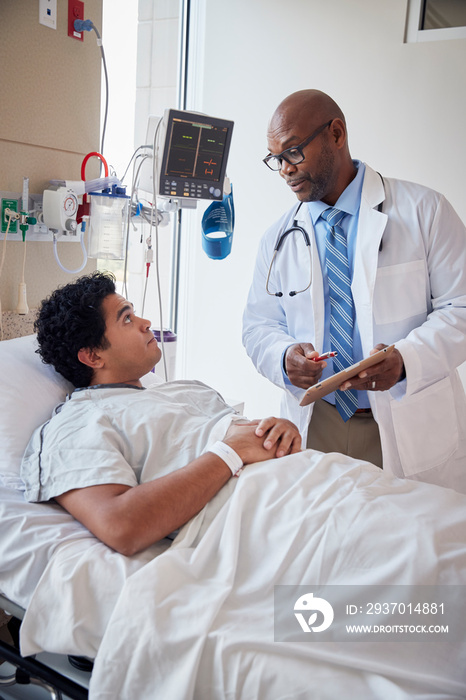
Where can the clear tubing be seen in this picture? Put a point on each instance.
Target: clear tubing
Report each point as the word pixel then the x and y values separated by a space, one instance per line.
pixel 55 252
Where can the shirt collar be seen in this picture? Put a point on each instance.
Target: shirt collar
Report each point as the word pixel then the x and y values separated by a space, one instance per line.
pixel 348 201
pixel 117 385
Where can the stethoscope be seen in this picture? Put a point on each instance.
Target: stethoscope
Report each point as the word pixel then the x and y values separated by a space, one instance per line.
pixel 279 244
pixel 281 239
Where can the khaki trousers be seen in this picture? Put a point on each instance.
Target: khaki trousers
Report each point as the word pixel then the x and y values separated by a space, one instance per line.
pixel 359 437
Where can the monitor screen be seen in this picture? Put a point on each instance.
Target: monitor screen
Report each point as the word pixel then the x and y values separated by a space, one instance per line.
pixel 194 156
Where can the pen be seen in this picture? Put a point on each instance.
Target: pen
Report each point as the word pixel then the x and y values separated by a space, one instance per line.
pixel 325 356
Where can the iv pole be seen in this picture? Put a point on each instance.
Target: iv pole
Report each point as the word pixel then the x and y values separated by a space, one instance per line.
pixel 182 92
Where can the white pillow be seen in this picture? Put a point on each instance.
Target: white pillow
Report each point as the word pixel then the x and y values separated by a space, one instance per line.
pixel 29 391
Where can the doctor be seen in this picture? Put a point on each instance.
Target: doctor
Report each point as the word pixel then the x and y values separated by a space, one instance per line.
pixel 405 257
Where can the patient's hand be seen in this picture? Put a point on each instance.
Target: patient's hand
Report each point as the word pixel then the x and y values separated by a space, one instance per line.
pixel 247 439
pixel 279 433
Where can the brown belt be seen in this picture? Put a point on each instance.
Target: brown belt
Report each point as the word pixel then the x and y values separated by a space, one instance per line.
pixel 358 410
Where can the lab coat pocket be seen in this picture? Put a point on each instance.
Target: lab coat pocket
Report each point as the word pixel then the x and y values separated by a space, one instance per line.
pixel 400 292
pixel 426 427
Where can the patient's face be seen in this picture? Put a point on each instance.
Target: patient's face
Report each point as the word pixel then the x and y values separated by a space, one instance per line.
pixel 133 350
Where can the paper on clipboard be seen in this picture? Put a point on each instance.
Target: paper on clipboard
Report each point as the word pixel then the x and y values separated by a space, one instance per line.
pixel 332 383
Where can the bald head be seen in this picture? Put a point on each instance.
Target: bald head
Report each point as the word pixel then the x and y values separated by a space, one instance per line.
pixel 314 106
pixel 311 122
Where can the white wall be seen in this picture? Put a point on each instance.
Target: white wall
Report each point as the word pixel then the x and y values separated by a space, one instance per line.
pixel 405 105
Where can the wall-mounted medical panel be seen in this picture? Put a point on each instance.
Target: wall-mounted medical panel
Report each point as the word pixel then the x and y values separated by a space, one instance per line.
pixel 38 231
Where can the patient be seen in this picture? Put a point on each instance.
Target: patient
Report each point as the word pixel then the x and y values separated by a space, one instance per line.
pixel 132 464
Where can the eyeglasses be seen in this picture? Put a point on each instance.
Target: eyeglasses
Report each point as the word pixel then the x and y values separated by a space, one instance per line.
pixel 293 155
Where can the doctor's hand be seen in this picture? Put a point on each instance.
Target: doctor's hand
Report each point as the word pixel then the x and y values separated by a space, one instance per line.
pixel 379 377
pixel 258 440
pixel 302 370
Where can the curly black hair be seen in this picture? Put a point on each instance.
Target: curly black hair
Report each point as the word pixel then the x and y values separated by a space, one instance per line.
pixel 70 319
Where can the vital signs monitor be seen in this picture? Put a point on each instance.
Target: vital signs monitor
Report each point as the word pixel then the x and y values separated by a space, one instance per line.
pixel 191 153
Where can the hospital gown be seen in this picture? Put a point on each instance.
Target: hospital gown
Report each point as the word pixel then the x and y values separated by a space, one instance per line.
pixel 122 434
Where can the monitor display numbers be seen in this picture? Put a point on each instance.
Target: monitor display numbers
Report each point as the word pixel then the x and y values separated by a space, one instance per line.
pixel 195 155
pixel 195 150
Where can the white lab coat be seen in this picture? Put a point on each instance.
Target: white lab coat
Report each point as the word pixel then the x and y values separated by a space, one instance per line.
pixel 409 288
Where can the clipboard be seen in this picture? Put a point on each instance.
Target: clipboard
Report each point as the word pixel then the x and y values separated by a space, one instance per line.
pixel 331 383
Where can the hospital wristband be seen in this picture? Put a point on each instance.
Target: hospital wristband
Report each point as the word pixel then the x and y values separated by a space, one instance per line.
pixel 229 456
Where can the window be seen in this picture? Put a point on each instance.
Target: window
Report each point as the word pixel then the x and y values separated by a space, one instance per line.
pixel 434 20
pixel 141 46
pixel 439 14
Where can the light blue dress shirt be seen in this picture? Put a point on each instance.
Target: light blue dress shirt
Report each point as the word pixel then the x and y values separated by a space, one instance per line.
pixel 348 202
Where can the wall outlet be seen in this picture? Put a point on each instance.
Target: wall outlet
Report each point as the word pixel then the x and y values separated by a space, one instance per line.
pixel 75 11
pixel 48 13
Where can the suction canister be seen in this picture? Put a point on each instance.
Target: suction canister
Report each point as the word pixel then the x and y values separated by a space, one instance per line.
pixel 108 224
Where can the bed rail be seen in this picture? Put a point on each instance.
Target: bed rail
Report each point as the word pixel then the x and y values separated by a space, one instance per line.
pixel 28 668
pixel 33 670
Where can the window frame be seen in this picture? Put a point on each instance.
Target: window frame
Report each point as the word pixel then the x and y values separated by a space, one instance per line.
pixel 414 34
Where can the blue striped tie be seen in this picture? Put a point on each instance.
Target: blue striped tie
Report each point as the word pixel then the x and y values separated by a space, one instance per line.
pixel 341 307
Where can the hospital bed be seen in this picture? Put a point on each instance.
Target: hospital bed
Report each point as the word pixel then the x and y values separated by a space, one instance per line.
pixel 195 618
pixel 31 671
pixel 32 535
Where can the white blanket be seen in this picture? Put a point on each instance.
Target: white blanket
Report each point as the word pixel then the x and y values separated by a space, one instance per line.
pixel 198 621
pixel 66 579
